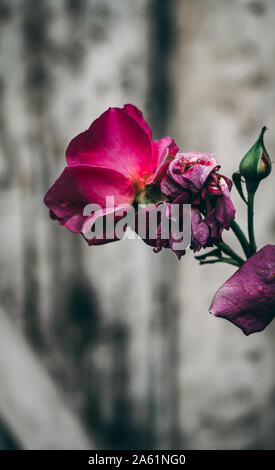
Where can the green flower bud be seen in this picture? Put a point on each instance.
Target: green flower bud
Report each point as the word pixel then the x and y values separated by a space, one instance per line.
pixel 256 164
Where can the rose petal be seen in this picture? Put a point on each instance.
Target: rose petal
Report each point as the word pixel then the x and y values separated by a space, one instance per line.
pixel 200 230
pixel 169 188
pixel 136 114
pixel 214 226
pixel 247 298
pixel 80 185
pixel 225 210
pixel 107 219
pixel 162 149
pixel 194 176
pixel 115 140
pixel 154 225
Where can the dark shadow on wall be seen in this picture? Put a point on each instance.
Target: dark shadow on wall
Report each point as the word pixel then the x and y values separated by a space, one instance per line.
pixel 7 440
pixel 119 430
pixel 163 38
pixel 161 41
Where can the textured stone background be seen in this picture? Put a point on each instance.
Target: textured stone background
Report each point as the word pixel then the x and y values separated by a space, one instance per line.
pixel 112 346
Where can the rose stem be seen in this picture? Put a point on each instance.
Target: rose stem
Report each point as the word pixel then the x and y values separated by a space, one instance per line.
pixel 242 238
pixel 228 251
pixel 221 260
pixel 250 214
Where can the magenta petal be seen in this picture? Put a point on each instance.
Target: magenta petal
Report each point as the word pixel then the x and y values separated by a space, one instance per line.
pixel 225 210
pixel 247 298
pixel 115 140
pixel 215 227
pixel 200 230
pixel 162 149
pixel 136 114
pixel 80 185
pixel 169 188
pixel 228 182
pixel 108 233
pixel 163 236
pixel 193 177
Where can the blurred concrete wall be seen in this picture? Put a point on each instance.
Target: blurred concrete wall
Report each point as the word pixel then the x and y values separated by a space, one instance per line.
pixel 223 94
pixel 112 346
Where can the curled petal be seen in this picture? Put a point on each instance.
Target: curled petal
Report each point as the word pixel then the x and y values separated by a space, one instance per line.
pixel 191 170
pixel 163 149
pixel 247 298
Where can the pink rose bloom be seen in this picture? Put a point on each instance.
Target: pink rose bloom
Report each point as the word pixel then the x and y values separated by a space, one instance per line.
pixel 193 178
pixel 115 157
pixel 247 298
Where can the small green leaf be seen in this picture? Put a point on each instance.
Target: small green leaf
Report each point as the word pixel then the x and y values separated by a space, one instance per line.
pixel 237 180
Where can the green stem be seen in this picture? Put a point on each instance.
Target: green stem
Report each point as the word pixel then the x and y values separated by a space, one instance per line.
pixel 216 252
pixel 242 238
pixel 228 251
pixel 250 213
pixel 221 260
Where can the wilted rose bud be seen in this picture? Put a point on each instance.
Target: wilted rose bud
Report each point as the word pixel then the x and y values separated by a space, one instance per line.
pixel 256 164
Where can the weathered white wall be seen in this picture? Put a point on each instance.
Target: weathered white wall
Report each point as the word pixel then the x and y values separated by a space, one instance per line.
pixel 121 334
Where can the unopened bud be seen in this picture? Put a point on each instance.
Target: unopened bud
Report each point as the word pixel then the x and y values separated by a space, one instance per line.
pixel 256 164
